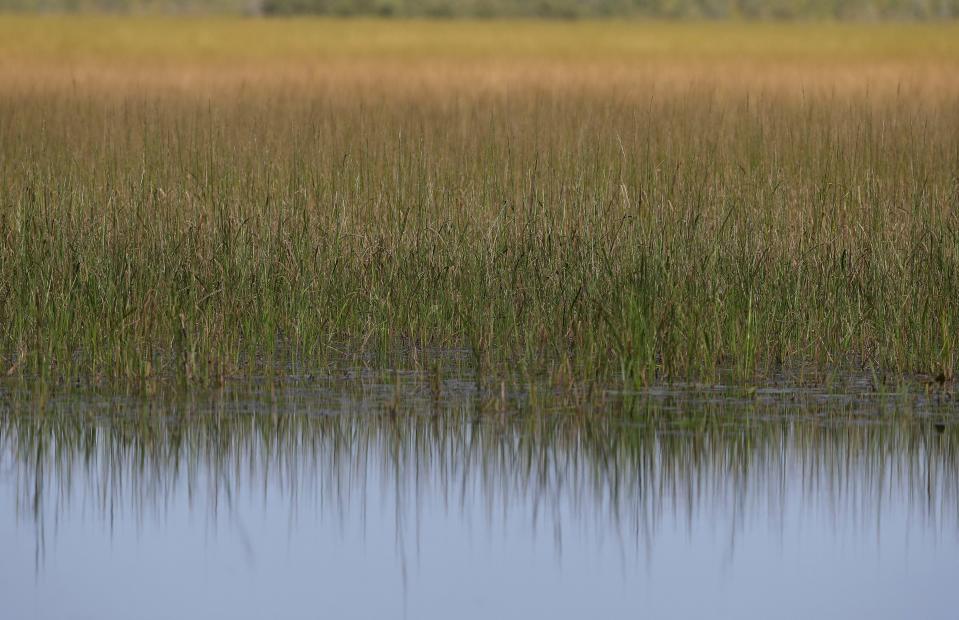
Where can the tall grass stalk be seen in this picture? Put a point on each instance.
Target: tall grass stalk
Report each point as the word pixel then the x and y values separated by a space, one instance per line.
pixel 632 229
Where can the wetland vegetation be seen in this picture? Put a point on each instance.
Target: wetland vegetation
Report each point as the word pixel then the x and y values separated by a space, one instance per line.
pixel 623 204
pixel 296 310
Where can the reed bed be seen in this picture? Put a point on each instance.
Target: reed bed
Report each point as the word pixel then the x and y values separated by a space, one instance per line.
pixel 631 212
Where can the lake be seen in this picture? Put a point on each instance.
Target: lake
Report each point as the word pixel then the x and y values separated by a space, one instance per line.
pixel 361 498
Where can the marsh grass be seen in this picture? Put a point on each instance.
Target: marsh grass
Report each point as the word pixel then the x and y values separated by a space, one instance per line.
pixel 623 219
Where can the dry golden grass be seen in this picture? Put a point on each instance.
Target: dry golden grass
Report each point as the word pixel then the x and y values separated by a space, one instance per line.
pixel 430 58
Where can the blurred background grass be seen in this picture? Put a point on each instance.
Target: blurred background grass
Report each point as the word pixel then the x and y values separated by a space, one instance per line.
pixel 556 9
pixel 106 38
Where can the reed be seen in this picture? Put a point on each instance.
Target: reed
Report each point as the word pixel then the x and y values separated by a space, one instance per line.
pixel 655 205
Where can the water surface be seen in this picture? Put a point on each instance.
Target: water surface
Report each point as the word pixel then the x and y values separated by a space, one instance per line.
pixel 327 502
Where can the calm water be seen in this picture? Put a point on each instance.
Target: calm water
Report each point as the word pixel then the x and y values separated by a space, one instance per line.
pixel 318 503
